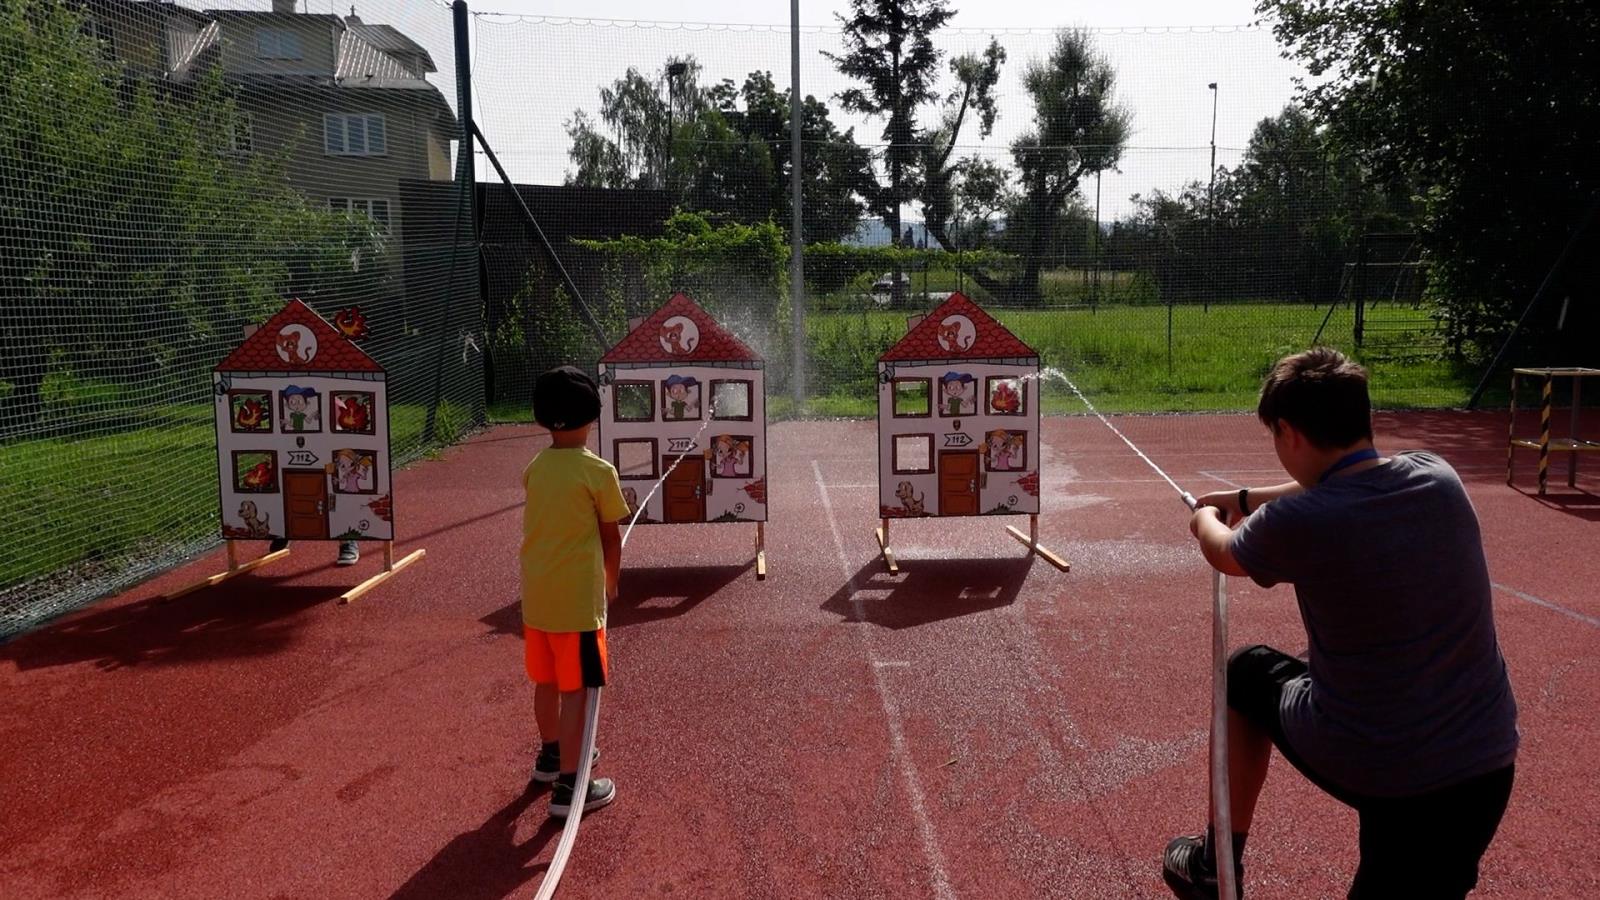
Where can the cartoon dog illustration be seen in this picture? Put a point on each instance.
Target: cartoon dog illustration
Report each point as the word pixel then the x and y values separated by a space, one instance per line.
pixel 254 522
pixel 910 501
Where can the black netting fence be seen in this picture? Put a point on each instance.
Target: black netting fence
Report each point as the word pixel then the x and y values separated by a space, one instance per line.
pixel 1148 208
pixel 1061 178
pixel 170 173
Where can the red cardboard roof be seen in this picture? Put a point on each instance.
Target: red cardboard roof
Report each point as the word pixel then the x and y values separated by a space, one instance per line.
pixel 990 341
pixel 334 352
pixel 644 344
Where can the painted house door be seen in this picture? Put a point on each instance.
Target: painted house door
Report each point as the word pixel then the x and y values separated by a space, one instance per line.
pixel 305 504
pixel 958 483
pixel 685 490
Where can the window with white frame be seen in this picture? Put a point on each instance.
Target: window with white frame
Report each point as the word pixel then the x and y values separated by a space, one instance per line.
pixel 278 43
pixel 374 208
pixel 354 134
pixel 913 454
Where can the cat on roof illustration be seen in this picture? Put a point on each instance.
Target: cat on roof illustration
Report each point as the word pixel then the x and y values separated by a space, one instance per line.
pixel 289 347
pixel 950 335
pixel 672 338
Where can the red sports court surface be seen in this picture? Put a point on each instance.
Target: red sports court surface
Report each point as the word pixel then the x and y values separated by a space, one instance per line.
pixel 978 726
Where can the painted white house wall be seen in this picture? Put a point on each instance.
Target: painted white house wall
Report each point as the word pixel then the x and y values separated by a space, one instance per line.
pixel 998 491
pixel 347 513
pixel 726 496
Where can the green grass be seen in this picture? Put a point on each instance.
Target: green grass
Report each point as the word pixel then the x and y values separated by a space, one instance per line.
pixel 135 483
pixel 1118 355
pixel 108 499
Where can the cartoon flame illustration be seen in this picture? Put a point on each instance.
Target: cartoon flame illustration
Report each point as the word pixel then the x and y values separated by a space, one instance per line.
pixel 259 476
pixel 1030 482
pixel 352 414
pixel 351 322
pixel 249 414
pixel 1006 400
pixel 757 490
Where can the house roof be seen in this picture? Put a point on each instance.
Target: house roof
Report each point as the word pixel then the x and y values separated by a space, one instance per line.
pixel 991 340
pixel 643 343
pixel 335 353
pixel 391 41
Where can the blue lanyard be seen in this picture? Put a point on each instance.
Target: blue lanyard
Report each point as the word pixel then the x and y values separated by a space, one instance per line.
pixel 1348 460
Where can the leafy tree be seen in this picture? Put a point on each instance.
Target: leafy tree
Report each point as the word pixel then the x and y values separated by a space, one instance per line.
pixel 728 153
pixel 888 48
pixel 1078 129
pixel 134 241
pixel 1493 110
pixel 837 171
pixel 943 183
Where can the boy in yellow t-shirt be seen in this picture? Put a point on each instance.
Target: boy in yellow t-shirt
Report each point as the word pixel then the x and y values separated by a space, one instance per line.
pixel 571 556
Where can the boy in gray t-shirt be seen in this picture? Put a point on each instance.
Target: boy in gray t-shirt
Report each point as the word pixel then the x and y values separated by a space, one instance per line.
pixel 1404 709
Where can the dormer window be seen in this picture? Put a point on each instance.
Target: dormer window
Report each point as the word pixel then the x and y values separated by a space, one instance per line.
pixel 277 43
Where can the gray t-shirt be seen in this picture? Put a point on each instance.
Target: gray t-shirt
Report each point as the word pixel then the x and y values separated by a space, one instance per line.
pixel 1407 691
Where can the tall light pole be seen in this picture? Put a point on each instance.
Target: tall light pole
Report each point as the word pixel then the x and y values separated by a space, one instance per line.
pixel 797 281
pixel 674 72
pixel 1211 198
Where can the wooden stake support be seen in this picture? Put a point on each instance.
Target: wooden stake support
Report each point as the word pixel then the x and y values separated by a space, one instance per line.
pixel 390 567
pixel 234 568
pixel 883 547
pixel 761 551
pixel 1031 541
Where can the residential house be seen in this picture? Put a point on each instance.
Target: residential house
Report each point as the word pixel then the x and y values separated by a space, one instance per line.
pixel 347 101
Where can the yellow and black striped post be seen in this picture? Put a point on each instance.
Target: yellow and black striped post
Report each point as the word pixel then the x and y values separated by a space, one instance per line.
pixel 1544 433
pixel 1511 430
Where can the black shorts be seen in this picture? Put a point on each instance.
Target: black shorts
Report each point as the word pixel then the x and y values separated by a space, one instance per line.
pixel 1425 846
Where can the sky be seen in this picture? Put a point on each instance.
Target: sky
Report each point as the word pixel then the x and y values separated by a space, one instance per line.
pixel 537 61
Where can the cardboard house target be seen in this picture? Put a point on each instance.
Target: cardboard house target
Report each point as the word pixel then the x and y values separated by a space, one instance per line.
pixel 684 400
pixel 958 422
pixel 302 434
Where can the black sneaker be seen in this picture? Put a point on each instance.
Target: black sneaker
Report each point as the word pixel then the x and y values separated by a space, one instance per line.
pixel 548 766
pixel 1189 874
pixel 349 554
pixel 277 544
pixel 601 792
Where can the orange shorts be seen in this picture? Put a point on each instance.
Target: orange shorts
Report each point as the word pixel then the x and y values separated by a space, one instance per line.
pixel 570 660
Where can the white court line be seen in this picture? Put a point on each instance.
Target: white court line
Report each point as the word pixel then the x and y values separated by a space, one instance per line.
pixel 1553 607
pixel 897 741
pixel 1215 477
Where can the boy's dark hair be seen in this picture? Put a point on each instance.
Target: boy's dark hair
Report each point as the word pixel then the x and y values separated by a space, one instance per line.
pixel 565 398
pixel 1322 394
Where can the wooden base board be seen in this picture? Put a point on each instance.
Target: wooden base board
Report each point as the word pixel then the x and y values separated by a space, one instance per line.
pixel 1048 556
pixel 761 565
pixel 888 554
pixel 220 577
pixel 381 577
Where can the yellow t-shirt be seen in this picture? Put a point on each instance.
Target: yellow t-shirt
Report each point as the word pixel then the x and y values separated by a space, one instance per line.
pixel 569 492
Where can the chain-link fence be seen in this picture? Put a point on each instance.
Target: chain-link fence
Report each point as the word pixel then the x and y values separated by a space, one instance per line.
pixel 169 174
pixel 1145 207
pixel 1061 178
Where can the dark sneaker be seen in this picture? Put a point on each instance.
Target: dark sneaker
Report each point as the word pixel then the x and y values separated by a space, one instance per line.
pixel 277 544
pixel 548 766
pixel 601 792
pixel 349 553
pixel 1187 871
